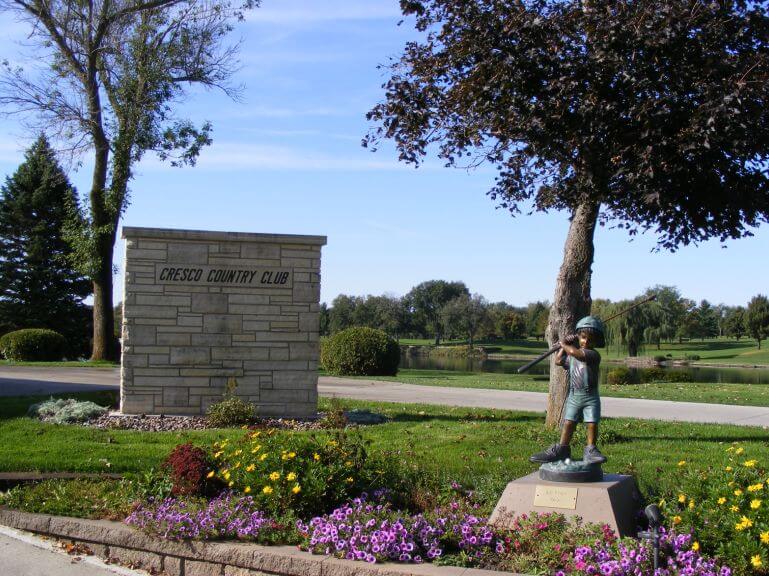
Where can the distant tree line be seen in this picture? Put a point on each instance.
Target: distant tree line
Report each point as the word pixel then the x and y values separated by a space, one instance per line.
pixel 438 309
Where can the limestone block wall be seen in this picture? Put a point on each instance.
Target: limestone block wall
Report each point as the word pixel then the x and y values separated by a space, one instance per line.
pixel 202 309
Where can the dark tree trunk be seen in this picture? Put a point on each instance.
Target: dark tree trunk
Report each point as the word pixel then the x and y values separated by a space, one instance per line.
pixel 572 298
pixel 103 314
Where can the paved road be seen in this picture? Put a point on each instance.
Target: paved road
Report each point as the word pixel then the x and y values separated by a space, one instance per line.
pixel 16 381
pixel 24 554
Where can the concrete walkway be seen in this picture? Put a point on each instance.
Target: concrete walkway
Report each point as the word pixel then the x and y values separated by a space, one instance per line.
pixel 17 381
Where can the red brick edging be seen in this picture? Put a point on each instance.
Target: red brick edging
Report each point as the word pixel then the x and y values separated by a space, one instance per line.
pixel 117 541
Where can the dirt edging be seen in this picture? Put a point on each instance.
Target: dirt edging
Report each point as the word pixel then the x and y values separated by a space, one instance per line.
pixel 120 543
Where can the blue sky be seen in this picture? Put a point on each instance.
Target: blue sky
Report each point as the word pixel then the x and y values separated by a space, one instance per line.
pixel 288 159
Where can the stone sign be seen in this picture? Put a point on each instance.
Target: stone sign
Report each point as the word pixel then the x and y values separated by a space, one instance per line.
pixel 204 310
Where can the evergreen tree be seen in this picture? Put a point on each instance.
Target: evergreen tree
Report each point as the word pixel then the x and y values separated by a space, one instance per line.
pixel 38 286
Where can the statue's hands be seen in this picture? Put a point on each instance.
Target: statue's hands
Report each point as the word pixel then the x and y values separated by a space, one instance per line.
pixel 571 340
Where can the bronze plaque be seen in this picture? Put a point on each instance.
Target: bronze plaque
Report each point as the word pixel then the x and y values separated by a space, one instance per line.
pixel 555 497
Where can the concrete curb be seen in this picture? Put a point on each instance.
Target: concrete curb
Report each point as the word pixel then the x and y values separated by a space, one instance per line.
pixel 116 541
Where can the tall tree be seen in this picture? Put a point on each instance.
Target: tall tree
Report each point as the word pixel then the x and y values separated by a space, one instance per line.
pixel 735 322
pixel 114 70
pixel 465 315
pixel 38 286
pixel 757 318
pixel 428 298
pixel 648 114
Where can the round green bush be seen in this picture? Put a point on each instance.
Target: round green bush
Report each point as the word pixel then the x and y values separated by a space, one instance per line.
pixel 621 375
pixel 662 375
pixel 360 351
pixel 33 345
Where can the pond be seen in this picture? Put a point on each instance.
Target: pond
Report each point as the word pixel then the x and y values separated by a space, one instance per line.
pixel 699 374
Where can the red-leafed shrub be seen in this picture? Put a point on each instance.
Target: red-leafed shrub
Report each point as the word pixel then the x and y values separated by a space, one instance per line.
pixel 188 466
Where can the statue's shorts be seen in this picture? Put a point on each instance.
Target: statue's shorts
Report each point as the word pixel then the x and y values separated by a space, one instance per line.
pixel 582 406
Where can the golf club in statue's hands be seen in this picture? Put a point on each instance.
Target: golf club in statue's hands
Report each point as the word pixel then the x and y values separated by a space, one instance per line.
pixel 573 337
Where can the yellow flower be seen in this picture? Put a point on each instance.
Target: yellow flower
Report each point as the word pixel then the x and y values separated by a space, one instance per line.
pixel 755 487
pixel 348 480
pixel 263 457
pixel 218 454
pixel 765 537
pixel 729 468
pixel 681 498
pixel 696 546
pixel 231 484
pixel 755 504
pixel 749 463
pixel 348 463
pixel 738 492
pixel 227 476
pixel 250 467
pixel 267 489
pixel 255 449
pixel 316 456
pixel 691 504
pixel 722 500
pixel 210 474
pixel 733 508
pixel 292 454
pixel 682 463
pixel 331 443
pixel 744 523
pixel 237 464
pixel 756 561
pixel 244 427
pixel 739 451
pixel 238 452
pixel 247 489
pixel 290 477
pixel 274 476
pixel 676 520
pixel 296 489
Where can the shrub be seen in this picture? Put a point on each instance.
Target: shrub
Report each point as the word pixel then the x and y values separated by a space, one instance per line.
pixel 306 474
pixel 188 466
pixel 33 345
pixel 67 411
pixel 663 375
pixel 693 357
pixel 660 358
pixel 621 375
pixel 232 411
pixel 360 351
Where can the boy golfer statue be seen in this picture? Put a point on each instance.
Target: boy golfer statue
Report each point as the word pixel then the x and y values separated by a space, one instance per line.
pixel 583 404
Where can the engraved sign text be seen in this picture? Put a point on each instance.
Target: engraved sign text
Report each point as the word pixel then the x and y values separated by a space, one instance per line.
pixel 203 275
pixel 555 497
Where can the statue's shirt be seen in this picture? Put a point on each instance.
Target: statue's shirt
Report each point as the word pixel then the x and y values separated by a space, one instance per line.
pixel 583 375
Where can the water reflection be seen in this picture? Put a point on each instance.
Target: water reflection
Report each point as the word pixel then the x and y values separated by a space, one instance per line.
pixel 708 375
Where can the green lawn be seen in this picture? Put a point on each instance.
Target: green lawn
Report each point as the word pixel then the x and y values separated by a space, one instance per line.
pixel 482 448
pixel 712 351
pixel 740 394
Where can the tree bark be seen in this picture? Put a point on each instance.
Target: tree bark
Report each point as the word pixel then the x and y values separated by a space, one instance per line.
pixel 572 298
pixel 103 313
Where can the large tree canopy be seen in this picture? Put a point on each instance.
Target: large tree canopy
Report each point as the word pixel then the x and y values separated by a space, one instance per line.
pixel 650 115
pixel 110 74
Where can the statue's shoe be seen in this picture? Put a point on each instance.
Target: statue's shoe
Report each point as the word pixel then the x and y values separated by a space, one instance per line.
pixel 552 454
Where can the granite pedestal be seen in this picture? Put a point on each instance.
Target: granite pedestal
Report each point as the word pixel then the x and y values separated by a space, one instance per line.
pixel 613 501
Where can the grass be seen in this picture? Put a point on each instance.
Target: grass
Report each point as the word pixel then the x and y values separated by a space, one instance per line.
pixel 712 351
pixel 740 394
pixel 64 364
pixel 478 447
